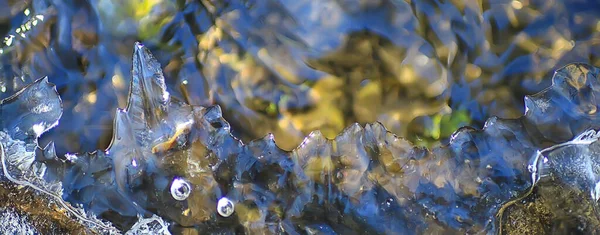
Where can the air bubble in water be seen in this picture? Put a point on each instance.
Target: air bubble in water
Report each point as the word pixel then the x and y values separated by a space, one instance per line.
pixel 180 189
pixel 225 207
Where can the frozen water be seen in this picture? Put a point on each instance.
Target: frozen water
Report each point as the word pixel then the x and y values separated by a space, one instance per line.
pixel 180 162
pixel 152 225
pixel 13 223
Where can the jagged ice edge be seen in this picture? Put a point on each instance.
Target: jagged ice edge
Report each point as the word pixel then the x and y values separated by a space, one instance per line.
pixel 581 139
pixel 586 137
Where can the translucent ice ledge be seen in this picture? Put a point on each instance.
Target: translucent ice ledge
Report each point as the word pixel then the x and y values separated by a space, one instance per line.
pixel 180 162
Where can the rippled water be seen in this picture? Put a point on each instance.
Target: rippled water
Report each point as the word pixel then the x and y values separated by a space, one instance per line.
pixel 421 68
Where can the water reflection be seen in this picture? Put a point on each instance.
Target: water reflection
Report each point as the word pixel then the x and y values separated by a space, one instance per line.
pixel 422 68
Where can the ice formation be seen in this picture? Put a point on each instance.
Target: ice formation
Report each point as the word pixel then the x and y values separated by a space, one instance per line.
pixel 25 116
pixel 13 223
pixel 178 162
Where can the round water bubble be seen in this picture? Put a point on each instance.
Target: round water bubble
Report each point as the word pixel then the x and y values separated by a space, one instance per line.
pixel 225 207
pixel 180 189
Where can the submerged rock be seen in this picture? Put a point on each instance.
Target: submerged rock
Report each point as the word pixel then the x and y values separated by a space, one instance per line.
pixel 180 162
